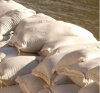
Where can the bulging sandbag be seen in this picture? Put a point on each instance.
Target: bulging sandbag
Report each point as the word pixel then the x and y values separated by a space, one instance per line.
pixel 27 35
pixel 94 74
pixel 10 20
pixel 12 67
pixel 66 88
pixel 30 84
pixel 53 43
pixel 11 89
pixel 77 56
pixel 77 72
pixel 91 88
pixel 44 31
pixel 45 69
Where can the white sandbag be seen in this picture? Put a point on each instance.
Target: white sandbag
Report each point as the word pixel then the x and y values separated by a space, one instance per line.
pixel 44 31
pixel 29 28
pixel 94 74
pixel 91 88
pixel 78 71
pixel 53 43
pixel 44 69
pixel 75 47
pixel 67 88
pixel 30 84
pixel 6 6
pixel 62 79
pixel 12 67
pixel 11 89
pixel 10 20
pixel 77 56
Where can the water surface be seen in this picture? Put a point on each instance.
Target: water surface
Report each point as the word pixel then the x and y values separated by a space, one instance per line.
pixel 84 13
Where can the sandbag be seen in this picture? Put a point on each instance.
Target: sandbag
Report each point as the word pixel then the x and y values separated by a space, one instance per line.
pixel 30 84
pixel 91 88
pixel 11 89
pixel 77 72
pixel 45 69
pixel 6 51
pixel 6 6
pixel 42 32
pixel 10 20
pixel 67 88
pixel 94 74
pixel 77 56
pixel 53 43
pixel 12 67
pixel 29 28
pixel 76 47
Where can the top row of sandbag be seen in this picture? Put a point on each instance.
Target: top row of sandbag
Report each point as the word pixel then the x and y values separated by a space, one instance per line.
pixel 32 33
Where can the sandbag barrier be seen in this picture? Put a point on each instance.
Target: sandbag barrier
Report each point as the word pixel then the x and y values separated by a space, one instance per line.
pixel 39 54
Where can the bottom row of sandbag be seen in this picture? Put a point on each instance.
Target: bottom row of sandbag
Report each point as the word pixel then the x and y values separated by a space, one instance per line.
pixel 31 84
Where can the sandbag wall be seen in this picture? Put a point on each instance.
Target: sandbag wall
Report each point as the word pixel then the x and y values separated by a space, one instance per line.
pixel 39 54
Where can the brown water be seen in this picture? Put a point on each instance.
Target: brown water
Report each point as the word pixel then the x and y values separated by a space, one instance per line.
pixel 84 13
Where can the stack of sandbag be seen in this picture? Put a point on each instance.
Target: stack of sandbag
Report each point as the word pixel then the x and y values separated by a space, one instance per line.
pixel 62 60
pixel 44 55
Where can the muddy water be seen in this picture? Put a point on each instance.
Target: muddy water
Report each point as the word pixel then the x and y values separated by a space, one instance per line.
pixel 84 13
